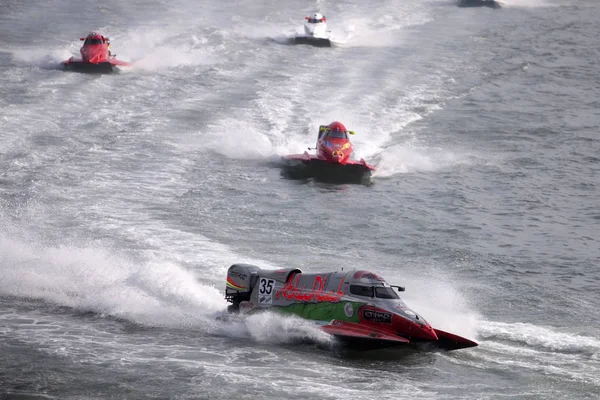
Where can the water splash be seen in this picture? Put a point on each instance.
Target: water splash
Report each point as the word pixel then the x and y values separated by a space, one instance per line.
pixel 151 292
pixel 540 337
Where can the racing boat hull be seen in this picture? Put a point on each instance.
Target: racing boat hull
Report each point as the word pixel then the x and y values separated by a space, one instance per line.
pixel 90 68
pixel 358 308
pixel 480 3
pixel 101 66
pixel 315 32
pixel 312 40
pixel 303 167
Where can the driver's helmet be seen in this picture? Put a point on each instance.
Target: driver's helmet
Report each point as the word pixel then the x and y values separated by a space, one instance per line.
pixel 316 17
pixel 337 127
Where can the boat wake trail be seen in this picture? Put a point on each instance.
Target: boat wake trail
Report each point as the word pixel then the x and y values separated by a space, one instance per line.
pixel 541 338
pixel 545 350
pixel 158 49
pixel 150 292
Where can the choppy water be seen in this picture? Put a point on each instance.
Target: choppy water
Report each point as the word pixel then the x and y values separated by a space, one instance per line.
pixel 123 199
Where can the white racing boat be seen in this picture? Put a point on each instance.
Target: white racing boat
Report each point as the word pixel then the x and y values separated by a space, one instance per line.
pixel 315 32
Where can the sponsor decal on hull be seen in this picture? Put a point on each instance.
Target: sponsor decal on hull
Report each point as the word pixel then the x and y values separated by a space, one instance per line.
pixel 348 310
pixel 377 316
pixel 237 274
pixel 292 292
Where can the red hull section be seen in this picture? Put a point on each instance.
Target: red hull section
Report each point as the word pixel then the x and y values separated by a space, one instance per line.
pixel 379 328
pixel 347 330
pixel 359 337
pixel 450 341
pixel 364 336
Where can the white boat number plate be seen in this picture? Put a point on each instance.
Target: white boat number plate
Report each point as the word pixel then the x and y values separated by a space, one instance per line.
pixel 265 291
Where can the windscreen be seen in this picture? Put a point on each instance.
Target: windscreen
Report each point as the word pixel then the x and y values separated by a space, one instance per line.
pixel 337 134
pixel 385 292
pixel 359 290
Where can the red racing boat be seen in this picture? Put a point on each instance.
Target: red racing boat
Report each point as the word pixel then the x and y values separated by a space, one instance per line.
pixel 358 308
pixel 96 56
pixel 332 162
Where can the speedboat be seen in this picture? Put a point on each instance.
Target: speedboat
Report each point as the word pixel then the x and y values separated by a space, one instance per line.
pixel 96 56
pixel 358 308
pixel 332 161
pixel 315 32
pixel 479 3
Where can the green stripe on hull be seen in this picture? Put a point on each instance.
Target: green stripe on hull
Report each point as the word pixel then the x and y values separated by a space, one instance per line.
pixel 344 310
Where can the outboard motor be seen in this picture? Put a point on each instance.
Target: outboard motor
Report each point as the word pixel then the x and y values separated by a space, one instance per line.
pixel 241 279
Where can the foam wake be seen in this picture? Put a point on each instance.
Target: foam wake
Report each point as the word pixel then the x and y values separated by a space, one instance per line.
pixel 150 292
pixel 539 337
pixel 153 292
pixel 544 350
pixel 274 328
